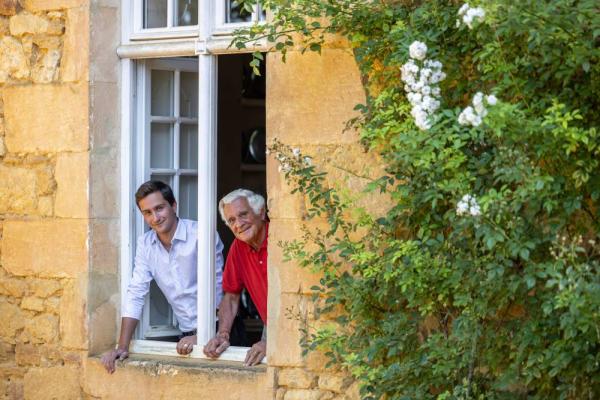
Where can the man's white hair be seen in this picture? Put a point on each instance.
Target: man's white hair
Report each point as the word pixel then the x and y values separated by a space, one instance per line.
pixel 255 201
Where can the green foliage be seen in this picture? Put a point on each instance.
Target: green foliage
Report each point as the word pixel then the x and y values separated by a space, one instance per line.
pixel 498 303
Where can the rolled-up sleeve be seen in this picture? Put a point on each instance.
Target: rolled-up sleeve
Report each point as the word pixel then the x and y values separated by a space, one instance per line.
pixel 218 270
pixel 139 285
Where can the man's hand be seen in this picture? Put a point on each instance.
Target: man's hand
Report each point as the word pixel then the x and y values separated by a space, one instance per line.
pixel 109 358
pixel 217 345
pixel 256 353
pixel 186 344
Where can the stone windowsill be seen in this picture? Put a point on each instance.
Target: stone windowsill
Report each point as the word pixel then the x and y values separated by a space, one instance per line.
pixel 165 365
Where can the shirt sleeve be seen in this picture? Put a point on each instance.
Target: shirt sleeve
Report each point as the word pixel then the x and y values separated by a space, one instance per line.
pixel 232 280
pixel 139 284
pixel 218 270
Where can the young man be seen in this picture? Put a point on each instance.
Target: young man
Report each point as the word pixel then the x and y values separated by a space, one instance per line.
pixel 244 213
pixel 168 254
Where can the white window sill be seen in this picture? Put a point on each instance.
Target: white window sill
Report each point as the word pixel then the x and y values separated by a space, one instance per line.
pixel 152 347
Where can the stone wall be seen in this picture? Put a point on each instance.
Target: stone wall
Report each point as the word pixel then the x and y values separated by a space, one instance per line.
pixel 44 201
pixel 310 99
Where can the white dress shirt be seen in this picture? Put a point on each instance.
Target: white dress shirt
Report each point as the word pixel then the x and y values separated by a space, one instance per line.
pixel 174 271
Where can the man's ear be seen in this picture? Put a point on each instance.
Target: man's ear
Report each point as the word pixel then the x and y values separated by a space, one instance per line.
pixel 263 214
pixel 174 207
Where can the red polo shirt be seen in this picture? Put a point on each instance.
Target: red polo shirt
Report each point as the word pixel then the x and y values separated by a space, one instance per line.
pixel 247 268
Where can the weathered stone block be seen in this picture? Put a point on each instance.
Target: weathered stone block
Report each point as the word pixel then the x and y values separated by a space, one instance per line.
pixel 42 329
pixel 32 303
pixel 27 354
pixel 47 42
pixel 287 315
pixel 46 206
pixel 104 188
pixel 313 109
pixel 61 382
pixel 28 24
pixel 72 174
pixel 334 382
pixel 7 353
pixel 45 69
pixel 44 287
pixel 45 5
pixel 60 248
pixel 104 247
pixel 73 316
pixel 306 394
pixel 13 287
pixel 2 147
pixel 103 326
pixel 75 62
pixel 46 185
pixel 52 305
pixel 8 7
pixel 104 121
pixel 35 121
pixel 288 277
pixel 13 60
pixel 105 28
pixel 12 321
pixel 297 378
pixel 17 190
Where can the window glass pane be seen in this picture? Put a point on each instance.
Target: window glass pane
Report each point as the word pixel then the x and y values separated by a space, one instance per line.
pixel 155 13
pixel 188 147
pixel 236 13
pixel 168 179
pixel 188 102
pixel 187 12
pixel 162 93
pixel 188 197
pixel 159 307
pixel 161 146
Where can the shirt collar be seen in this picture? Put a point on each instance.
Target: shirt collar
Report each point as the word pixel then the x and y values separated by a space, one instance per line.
pixel 180 233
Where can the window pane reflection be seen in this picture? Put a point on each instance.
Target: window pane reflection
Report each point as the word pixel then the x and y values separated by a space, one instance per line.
pixel 162 93
pixel 187 12
pixel 161 146
pixel 188 197
pixel 155 13
pixel 236 13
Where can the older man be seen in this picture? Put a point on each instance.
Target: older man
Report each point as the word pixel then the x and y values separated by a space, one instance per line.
pixel 244 213
pixel 168 254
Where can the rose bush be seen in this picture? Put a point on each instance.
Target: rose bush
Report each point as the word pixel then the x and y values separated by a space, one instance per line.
pixel 483 279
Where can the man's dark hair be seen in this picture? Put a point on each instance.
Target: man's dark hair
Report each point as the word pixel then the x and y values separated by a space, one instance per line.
pixel 147 188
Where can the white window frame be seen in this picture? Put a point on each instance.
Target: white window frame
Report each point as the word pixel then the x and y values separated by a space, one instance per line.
pixel 142 165
pixel 206 42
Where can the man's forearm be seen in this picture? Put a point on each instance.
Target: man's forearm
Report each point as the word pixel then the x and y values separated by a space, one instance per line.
pixel 227 312
pixel 127 328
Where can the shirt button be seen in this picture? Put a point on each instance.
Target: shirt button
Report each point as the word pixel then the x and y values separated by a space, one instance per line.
pixel 260 262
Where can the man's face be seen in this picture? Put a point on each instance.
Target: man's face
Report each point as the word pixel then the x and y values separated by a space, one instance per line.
pixel 243 222
pixel 158 213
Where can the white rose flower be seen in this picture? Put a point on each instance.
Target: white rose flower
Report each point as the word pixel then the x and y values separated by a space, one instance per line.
pixel 296 152
pixel 417 50
pixel 491 100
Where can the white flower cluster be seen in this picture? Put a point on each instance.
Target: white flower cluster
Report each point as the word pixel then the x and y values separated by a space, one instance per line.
pixel 474 115
pixel 286 163
pixel 469 15
pixel 421 84
pixel 468 205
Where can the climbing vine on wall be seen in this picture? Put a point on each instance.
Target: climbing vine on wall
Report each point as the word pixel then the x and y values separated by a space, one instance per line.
pixel 482 281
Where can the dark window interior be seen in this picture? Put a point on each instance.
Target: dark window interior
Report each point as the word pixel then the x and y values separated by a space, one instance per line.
pixel 241 158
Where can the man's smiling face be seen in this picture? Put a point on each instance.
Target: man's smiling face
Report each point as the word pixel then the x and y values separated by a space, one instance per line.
pixel 246 225
pixel 158 213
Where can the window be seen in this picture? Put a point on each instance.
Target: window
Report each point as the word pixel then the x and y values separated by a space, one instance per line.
pixel 176 106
